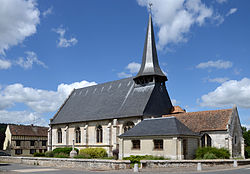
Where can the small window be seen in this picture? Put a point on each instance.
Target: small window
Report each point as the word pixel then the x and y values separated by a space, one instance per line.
pixel 44 143
pixel 158 144
pixel 128 125
pixel 18 142
pixel 59 136
pixel 99 134
pixel 45 150
pixel 18 151
pixel 40 150
pixel 136 144
pixel 78 135
pixel 32 151
pixel 235 139
pixel 32 143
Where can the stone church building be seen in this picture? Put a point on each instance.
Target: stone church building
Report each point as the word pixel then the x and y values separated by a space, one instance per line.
pixel 133 115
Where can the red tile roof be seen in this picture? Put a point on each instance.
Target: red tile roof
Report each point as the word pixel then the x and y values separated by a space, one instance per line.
pixel 205 120
pixel 177 109
pixel 28 130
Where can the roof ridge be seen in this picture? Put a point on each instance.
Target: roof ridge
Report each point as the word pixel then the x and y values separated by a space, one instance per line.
pixel 183 113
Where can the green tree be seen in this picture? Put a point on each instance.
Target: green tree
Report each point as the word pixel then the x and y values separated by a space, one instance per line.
pixel 246 135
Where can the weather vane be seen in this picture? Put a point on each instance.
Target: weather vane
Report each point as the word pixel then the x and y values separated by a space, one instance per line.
pixel 150 6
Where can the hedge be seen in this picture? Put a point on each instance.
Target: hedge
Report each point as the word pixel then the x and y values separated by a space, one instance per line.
pixel 93 153
pixel 65 150
pixel 212 153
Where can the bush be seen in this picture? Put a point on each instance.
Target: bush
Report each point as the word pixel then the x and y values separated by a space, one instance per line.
pixel 65 150
pixel 209 155
pixel 61 155
pixel 212 153
pixel 247 152
pixel 93 152
pixel 136 159
pixel 39 154
pixel 49 154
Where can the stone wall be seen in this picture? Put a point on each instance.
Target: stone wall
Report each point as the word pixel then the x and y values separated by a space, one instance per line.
pixel 86 164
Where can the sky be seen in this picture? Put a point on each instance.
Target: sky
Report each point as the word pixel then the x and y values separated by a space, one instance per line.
pixel 48 48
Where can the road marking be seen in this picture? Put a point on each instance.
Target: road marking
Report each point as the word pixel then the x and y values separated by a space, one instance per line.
pixel 34 170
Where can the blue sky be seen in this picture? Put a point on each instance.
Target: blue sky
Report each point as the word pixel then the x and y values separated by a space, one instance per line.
pixel 47 48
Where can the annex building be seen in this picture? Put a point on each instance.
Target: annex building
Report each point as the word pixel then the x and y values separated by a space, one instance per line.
pixel 136 116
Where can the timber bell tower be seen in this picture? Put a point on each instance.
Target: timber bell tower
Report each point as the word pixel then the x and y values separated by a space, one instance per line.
pixel 150 71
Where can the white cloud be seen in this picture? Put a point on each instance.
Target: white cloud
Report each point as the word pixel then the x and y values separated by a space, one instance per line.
pixel 231 11
pixel 175 102
pixel 219 79
pixel 62 41
pixel 221 1
pixel 219 64
pixel 175 18
pixel 40 101
pixel 124 75
pixel 229 93
pixel 5 64
pixel 22 117
pixel 47 12
pixel 18 20
pixel 133 67
pixel 31 58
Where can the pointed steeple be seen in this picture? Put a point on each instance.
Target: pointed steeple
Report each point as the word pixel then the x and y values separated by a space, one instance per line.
pixel 150 69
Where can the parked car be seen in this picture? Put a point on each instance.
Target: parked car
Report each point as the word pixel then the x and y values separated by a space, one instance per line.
pixel 4 154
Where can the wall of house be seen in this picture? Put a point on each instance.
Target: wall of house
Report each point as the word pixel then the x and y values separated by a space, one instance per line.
pixel 172 147
pixel 219 138
pixel 111 130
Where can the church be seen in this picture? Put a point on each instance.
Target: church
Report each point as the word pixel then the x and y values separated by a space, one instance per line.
pixel 136 116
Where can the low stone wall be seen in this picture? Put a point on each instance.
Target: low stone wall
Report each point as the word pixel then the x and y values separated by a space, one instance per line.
pixel 190 163
pixel 87 164
pixel 99 164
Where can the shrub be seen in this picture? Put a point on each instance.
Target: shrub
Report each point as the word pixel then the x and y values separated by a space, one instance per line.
pixel 39 154
pixel 61 155
pixel 212 153
pixel 209 155
pixel 94 152
pixel 136 159
pixel 247 152
pixel 49 154
pixel 65 150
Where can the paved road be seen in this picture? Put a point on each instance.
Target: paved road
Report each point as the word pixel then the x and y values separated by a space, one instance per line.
pixel 29 169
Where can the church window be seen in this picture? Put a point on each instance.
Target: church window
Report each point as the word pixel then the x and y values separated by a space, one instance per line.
pixel 158 144
pixel 136 144
pixel 206 141
pixel 59 136
pixel 128 125
pixel 99 133
pixel 235 139
pixel 18 142
pixel 78 135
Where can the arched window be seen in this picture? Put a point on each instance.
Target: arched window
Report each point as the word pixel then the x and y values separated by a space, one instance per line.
pixel 128 125
pixel 78 135
pixel 59 136
pixel 99 133
pixel 206 141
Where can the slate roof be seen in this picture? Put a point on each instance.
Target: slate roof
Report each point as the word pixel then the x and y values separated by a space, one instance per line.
pixel 205 120
pixel 159 127
pixel 28 130
pixel 150 64
pixel 116 99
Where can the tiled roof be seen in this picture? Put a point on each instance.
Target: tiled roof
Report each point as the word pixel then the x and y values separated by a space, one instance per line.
pixel 205 120
pixel 159 127
pixel 28 130
pixel 177 109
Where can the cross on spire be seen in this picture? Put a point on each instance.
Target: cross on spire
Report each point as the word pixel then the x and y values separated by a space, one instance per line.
pixel 150 6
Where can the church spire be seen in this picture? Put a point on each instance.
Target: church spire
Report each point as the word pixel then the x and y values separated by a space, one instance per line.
pixel 150 70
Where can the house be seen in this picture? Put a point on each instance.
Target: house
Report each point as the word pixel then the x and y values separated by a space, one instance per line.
pixel 102 116
pixel 166 137
pixel 218 128
pixel 25 140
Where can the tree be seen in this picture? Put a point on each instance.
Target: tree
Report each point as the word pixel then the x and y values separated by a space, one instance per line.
pixel 246 135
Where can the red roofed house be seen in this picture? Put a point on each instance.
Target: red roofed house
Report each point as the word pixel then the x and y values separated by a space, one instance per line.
pixel 218 128
pixel 25 139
